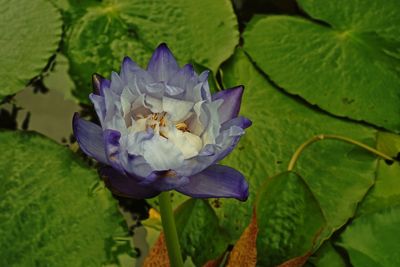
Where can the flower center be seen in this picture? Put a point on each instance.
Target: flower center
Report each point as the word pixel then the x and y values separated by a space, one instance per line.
pixel 158 122
pixel 179 133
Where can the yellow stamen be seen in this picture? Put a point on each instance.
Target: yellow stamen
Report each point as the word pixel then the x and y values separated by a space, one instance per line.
pixel 182 127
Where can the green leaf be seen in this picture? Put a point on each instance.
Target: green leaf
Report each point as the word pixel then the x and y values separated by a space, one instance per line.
pixel 30 32
pixel 338 174
pixel 386 191
pixel 53 211
pixel 201 31
pixel 327 256
pixel 199 233
pixel 290 220
pixel 345 58
pixel 280 125
pixel 372 240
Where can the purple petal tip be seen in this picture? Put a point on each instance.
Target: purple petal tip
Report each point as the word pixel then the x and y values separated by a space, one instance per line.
pixel 244 189
pixel 99 83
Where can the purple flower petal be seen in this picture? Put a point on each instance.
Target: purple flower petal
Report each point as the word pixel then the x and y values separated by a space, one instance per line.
pixel 185 78
pixel 112 148
pixel 126 186
pixel 99 106
pixel 90 138
pixel 165 180
pixel 128 68
pixel 100 84
pixel 239 121
pixel 231 106
pixel 217 181
pixel 117 84
pixel 162 64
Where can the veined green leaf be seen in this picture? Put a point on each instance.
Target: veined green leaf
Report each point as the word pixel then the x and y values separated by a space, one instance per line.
pixel 345 59
pixel 201 31
pixel 30 32
pixel 54 210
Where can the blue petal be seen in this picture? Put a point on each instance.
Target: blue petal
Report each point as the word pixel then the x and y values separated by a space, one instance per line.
pixel 99 106
pixel 231 132
pixel 113 149
pixel 117 84
pixel 226 141
pixel 100 84
pixel 128 68
pixel 90 138
pixel 126 186
pixel 165 180
pixel 217 181
pixel 231 106
pixel 239 121
pixel 162 64
pixel 185 78
pixel 137 166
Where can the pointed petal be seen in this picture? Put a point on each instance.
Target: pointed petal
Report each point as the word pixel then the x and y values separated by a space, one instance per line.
pixel 90 138
pixel 231 106
pixel 126 186
pixel 185 78
pixel 99 106
pixel 239 121
pixel 117 84
pixel 217 181
pixel 162 64
pixel 99 84
pixel 128 68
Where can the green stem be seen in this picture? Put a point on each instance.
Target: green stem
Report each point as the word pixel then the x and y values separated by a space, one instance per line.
pixel 171 236
pixel 320 137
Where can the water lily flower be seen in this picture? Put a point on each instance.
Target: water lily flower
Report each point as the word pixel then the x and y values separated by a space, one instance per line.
pixel 161 129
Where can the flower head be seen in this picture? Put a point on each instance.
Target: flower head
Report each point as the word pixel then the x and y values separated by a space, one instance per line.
pixel 161 129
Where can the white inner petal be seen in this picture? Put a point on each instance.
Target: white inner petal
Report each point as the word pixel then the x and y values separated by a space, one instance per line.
pixel 139 125
pixel 154 104
pixel 189 144
pixel 177 109
pixel 162 154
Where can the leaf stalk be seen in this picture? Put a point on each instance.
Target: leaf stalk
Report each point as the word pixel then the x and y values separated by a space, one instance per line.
pixel 320 137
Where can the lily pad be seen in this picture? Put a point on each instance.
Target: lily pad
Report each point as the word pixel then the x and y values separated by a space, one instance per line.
pixel 345 58
pixel 338 174
pixel 30 32
pixel 54 212
pixel 204 32
pixel 327 256
pixel 199 233
pixel 372 240
pixel 386 191
pixel 290 220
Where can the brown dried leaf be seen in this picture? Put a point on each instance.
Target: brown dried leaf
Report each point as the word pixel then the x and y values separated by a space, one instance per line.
pixel 296 262
pixel 158 255
pixel 301 260
pixel 212 263
pixel 244 254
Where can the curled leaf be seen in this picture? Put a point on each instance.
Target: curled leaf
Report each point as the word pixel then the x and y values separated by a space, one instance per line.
pixel 244 253
pixel 296 262
pixel 158 255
